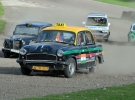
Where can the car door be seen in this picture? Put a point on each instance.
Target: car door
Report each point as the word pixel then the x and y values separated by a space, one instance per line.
pixel 90 44
pixel 83 57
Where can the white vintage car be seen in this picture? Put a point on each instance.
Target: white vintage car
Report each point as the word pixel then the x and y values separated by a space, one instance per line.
pixel 99 25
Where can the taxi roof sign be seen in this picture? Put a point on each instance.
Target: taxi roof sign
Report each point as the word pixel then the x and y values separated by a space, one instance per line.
pixel 60 25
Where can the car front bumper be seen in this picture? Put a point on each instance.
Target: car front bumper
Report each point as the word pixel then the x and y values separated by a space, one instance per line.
pixel 101 35
pixel 42 65
pixel 131 38
pixel 10 50
pixel 55 62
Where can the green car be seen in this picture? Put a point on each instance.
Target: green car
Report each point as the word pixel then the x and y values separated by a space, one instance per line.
pixel 131 34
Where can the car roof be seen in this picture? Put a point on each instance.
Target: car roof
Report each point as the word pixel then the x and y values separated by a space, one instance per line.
pixel 35 23
pixel 97 15
pixel 133 24
pixel 75 29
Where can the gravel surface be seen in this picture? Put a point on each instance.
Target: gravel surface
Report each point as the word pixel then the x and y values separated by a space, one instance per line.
pixel 118 68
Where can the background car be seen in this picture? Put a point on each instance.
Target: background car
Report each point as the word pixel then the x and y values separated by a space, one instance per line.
pixel 99 25
pixel 23 34
pixel 131 34
pixel 61 48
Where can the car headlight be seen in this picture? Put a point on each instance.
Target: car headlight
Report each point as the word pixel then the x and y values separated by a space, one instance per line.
pixel 23 51
pixel 60 53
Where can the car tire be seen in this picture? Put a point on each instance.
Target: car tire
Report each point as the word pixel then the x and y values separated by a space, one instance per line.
pixel 95 67
pixel 25 71
pixel 106 40
pixel 70 69
pixel 6 54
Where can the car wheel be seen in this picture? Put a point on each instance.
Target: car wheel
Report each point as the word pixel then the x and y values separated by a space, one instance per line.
pixel 95 67
pixel 6 54
pixel 25 71
pixel 106 40
pixel 70 69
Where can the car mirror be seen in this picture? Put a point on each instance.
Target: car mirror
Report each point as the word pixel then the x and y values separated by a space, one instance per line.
pixel 32 41
pixel 109 24
pixel 131 31
pixel 13 32
pixel 83 23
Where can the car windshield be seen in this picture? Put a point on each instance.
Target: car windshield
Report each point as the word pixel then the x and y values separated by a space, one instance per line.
pixel 134 28
pixel 96 21
pixel 56 36
pixel 24 30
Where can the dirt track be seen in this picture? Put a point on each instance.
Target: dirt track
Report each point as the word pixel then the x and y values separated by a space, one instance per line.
pixel 119 56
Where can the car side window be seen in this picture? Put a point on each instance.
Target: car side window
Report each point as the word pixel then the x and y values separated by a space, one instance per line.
pixel 80 38
pixel 41 36
pixel 89 38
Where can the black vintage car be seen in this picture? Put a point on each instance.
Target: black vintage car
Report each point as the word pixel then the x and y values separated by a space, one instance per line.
pixel 23 34
pixel 61 49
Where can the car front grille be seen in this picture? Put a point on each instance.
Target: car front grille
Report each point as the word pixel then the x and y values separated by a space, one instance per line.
pixel 17 44
pixel 40 56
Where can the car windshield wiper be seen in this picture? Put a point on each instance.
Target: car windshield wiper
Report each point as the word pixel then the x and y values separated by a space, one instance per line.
pixel 61 42
pixel 23 34
pixel 32 34
pixel 46 40
pixel 100 25
pixel 56 41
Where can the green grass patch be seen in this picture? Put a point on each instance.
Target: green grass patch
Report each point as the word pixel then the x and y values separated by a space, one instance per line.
pixel 2 25
pixel 124 92
pixel 127 3
pixel 2 22
pixel 1 10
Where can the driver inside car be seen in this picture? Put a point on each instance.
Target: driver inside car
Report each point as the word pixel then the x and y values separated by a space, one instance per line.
pixel 59 37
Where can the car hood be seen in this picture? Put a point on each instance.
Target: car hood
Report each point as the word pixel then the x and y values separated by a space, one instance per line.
pixel 23 37
pixel 46 47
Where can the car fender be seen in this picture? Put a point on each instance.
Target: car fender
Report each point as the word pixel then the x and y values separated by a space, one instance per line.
pixel 72 56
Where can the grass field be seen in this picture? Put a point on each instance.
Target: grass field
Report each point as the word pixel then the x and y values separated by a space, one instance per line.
pixel 125 92
pixel 127 3
pixel 2 22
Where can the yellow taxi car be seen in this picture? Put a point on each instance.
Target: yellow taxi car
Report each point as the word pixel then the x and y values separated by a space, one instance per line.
pixel 61 48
